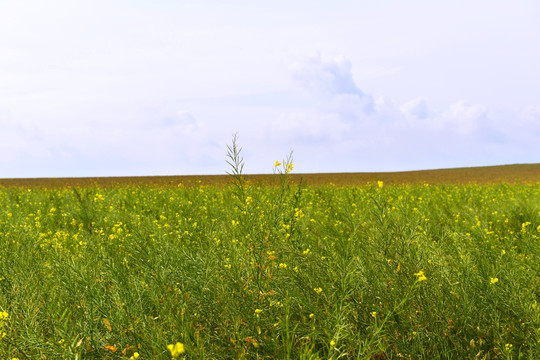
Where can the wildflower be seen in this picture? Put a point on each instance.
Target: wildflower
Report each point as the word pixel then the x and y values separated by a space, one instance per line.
pixel 3 315
pixel 134 356
pixel 176 349
pixel 277 164
pixel 332 343
pixel 493 281
pixel 290 168
pixel 380 184
pixel 318 290
pixel 305 252
pixel 282 266
pixel 374 314
pixel 420 276
pixel 258 311
pixel 311 316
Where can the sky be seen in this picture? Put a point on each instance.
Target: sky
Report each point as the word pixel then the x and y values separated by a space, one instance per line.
pixel 133 87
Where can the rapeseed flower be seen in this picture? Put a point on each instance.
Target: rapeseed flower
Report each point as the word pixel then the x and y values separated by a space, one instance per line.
pixel 290 168
pixel 420 276
pixel 176 349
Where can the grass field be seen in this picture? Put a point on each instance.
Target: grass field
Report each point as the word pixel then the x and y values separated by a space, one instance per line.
pixel 247 270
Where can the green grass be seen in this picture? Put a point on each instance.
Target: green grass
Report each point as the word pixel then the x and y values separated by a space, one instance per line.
pixel 285 272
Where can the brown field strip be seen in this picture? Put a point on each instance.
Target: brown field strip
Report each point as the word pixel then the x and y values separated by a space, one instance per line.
pixel 519 173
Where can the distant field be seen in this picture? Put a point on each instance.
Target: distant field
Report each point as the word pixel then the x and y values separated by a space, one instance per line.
pixel 519 173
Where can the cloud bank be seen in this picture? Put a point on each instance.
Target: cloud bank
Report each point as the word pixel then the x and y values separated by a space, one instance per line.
pixel 351 128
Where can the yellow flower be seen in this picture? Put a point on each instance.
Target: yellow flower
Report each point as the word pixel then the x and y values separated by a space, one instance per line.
pixel 290 168
pixel 176 349
pixel 420 276
pixel 258 311
pixel 311 316
pixel 318 290
pixel 134 356
pixel 332 343
pixel 3 315
pixel 282 266
pixel 277 164
pixel 380 184
pixel 493 281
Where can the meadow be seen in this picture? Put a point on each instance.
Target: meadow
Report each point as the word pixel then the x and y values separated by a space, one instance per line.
pixel 284 271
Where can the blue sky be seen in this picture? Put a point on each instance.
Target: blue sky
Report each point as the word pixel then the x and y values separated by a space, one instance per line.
pixel 125 87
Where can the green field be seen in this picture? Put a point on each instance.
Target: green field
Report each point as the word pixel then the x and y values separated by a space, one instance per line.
pixel 287 271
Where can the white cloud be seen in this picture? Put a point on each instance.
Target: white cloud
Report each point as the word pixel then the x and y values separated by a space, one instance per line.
pixel 416 109
pixel 355 128
pixel 326 77
pixel 341 107
pixel 466 118
pixel 332 82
